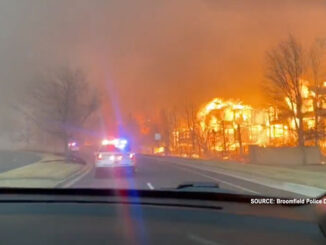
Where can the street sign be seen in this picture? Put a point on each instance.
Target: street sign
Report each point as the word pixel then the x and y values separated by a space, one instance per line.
pixel 157 136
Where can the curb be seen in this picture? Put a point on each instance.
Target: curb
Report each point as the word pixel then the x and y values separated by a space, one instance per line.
pixel 309 191
pixel 80 170
pixel 74 177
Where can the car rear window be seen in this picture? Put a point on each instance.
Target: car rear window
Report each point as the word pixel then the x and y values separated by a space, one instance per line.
pixel 109 148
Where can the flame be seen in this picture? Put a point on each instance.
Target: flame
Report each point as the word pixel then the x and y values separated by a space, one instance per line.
pixel 305 92
pixel 308 96
pixel 158 150
pixel 230 111
pixel 227 116
pixel 230 125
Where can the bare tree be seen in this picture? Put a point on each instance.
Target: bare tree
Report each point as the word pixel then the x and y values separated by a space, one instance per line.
pixel 285 68
pixel 192 128
pixel 204 135
pixel 315 56
pixel 166 128
pixel 174 125
pixel 61 103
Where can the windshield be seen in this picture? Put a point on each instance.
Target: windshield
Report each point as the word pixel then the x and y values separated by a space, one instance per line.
pixel 201 95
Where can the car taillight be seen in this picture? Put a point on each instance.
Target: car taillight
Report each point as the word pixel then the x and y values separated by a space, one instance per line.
pixel 132 156
pixel 99 156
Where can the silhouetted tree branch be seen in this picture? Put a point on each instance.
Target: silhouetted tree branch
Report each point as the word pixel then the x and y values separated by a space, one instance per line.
pixel 285 67
pixel 61 103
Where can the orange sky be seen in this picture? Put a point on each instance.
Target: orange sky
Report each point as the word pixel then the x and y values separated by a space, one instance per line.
pixel 190 52
pixel 145 55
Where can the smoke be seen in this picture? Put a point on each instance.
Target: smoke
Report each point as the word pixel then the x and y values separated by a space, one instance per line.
pixel 145 55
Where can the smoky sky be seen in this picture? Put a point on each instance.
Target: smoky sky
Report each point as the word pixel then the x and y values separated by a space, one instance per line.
pixel 146 55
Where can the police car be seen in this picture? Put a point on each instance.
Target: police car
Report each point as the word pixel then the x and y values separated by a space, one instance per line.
pixel 114 155
pixel 73 146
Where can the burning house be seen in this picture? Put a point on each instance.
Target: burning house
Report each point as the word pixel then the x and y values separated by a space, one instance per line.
pixel 228 127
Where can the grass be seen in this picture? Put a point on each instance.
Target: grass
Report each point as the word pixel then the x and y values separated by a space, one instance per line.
pixel 29 183
pixel 40 170
pixel 41 174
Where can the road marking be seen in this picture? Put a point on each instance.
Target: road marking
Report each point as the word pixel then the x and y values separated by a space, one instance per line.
pixel 219 180
pixel 201 240
pixel 150 186
pixel 78 177
pixel 188 168
pixel 306 191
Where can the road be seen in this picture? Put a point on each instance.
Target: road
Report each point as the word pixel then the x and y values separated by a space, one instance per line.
pixel 151 173
pixel 13 159
pixel 158 173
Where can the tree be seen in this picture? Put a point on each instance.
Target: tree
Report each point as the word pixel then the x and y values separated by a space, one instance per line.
pixel 61 103
pixel 315 56
pixel 165 125
pixel 285 68
pixel 203 136
pixel 192 127
pixel 174 121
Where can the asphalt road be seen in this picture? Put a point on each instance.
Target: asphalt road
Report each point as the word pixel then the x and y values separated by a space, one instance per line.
pixel 158 173
pixel 12 159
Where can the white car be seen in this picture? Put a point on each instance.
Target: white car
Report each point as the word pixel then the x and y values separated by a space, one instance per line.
pixel 109 157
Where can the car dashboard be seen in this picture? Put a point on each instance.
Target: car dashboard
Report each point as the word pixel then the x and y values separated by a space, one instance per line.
pixel 138 218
